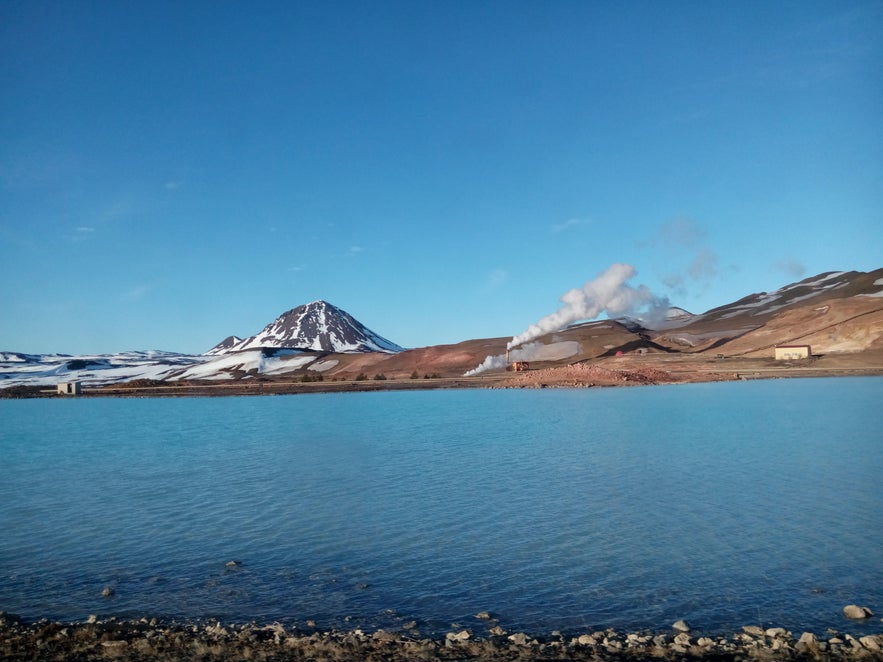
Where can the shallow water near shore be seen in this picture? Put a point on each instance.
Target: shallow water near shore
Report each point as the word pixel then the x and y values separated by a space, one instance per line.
pixel 725 504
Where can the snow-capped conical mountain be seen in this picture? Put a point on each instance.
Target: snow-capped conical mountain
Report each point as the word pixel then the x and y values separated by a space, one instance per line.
pixel 224 346
pixel 316 326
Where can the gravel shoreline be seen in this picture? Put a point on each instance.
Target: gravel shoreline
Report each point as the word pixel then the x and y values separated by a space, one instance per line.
pixel 152 639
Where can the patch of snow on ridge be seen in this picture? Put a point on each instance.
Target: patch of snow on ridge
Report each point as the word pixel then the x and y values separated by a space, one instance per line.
pixel 93 369
pixel 15 357
pixel 874 295
pixel 673 318
pixel 762 300
pixel 217 368
pixel 225 366
pixel 772 309
pixel 818 281
pixel 279 366
pixel 322 366
pixel 224 345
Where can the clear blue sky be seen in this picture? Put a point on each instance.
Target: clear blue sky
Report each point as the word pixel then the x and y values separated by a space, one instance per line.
pixel 172 173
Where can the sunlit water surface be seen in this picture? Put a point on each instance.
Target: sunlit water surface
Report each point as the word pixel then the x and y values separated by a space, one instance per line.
pixel 725 504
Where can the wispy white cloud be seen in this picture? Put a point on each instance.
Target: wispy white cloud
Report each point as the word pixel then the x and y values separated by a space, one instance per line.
pixel 704 265
pixel 683 242
pixel 80 233
pixel 566 225
pixel 173 185
pixel 295 268
pixel 495 280
pixel 136 292
pixel 355 250
pixel 680 233
pixel 115 211
pixel 791 268
pixel 15 237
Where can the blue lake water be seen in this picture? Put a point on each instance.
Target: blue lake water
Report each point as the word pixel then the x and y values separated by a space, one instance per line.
pixel 725 504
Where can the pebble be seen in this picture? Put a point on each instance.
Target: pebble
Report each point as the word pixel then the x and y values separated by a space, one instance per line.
pixel 462 635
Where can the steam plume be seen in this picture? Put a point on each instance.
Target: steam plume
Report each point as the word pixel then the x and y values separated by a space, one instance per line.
pixel 491 362
pixel 608 292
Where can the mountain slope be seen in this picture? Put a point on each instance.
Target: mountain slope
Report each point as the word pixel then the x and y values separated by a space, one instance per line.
pixel 224 346
pixel 317 326
pixel 789 314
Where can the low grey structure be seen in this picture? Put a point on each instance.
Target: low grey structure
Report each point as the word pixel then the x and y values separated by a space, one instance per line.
pixel 69 388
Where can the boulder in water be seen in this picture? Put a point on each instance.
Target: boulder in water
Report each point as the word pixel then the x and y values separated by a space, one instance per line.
pixel 856 612
pixel 681 626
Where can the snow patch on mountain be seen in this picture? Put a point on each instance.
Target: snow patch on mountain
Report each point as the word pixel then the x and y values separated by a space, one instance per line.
pixel 92 369
pixel 879 293
pixel 766 303
pixel 317 326
pixel 256 361
pixel 224 345
pixel 672 318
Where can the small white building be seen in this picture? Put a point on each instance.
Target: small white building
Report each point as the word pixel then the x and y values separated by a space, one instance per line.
pixel 69 388
pixel 793 352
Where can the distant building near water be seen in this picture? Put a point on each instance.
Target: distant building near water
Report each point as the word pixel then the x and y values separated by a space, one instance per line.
pixel 69 388
pixel 792 352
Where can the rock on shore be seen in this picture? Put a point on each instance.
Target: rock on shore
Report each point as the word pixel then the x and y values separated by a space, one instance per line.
pixel 151 639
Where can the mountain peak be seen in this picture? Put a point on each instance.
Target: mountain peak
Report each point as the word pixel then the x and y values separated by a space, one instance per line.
pixel 316 326
pixel 224 346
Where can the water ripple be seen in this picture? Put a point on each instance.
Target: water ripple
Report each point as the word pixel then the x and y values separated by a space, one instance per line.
pixel 724 504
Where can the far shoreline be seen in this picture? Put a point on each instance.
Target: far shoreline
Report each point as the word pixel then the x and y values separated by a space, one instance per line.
pixel 611 372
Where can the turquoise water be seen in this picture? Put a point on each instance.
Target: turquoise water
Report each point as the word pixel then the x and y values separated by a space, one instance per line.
pixel 725 504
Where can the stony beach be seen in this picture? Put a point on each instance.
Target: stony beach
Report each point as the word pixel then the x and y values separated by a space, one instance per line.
pixel 153 639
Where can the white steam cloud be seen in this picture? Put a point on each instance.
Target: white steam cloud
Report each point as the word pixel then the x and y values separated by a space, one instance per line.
pixel 490 363
pixel 609 292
